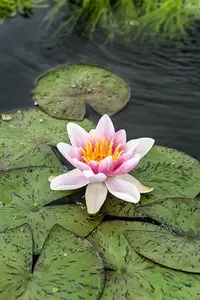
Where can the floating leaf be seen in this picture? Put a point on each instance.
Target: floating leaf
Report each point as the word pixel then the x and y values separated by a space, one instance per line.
pixel 71 216
pixel 29 186
pixel 28 138
pixel 15 262
pixel 63 92
pixel 78 275
pixel 171 173
pixel 177 246
pixel 116 207
pixel 131 276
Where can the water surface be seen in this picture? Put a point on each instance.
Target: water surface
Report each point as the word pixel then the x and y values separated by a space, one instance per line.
pixel 164 80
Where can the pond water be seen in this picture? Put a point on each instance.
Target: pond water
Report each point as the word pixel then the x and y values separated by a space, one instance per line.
pixel 164 80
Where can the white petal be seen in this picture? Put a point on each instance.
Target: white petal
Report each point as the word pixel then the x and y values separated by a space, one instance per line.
pixel 95 196
pixel 127 166
pixel 105 128
pixel 77 135
pixel 122 189
pixel 69 181
pixel 141 187
pixel 94 178
pixel 140 146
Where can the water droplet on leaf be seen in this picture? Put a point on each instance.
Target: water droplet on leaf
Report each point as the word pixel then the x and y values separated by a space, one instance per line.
pixel 6 117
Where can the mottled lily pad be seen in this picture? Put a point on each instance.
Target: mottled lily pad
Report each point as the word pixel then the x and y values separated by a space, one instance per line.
pixel 71 216
pixel 131 276
pixel 116 207
pixel 25 192
pixel 171 173
pixel 29 186
pixel 67 267
pixel 27 139
pixel 63 92
pixel 177 245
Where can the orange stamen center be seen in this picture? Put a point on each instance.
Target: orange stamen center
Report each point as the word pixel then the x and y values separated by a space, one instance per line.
pixel 100 150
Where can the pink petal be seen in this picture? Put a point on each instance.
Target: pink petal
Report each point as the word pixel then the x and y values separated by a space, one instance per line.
pixel 95 196
pixel 105 128
pixel 72 155
pixel 69 181
pixel 143 189
pixel 79 164
pixel 117 163
pixel 94 165
pixel 122 189
pixel 145 144
pixel 139 146
pixel 120 137
pixel 106 165
pixel 129 148
pixel 77 135
pixel 94 178
pixel 127 166
pixel 66 150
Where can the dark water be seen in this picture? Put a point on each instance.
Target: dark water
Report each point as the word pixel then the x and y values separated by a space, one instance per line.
pixel 164 80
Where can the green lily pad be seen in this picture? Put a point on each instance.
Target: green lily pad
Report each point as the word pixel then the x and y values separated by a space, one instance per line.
pixel 178 245
pixel 27 139
pixel 41 219
pixel 26 191
pixel 29 187
pixel 63 92
pixel 131 276
pixel 116 207
pixel 67 267
pixel 171 173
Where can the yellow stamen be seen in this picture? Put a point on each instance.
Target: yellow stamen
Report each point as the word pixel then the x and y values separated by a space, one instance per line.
pixel 100 150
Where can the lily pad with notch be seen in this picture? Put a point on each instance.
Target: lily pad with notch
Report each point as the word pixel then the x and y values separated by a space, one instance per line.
pixel 177 245
pixel 131 276
pixel 27 139
pixel 68 267
pixel 25 192
pixel 63 92
pixel 170 172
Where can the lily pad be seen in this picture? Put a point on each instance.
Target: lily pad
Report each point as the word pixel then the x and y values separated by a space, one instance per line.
pixel 171 173
pixel 27 139
pixel 67 267
pixel 131 276
pixel 26 191
pixel 29 186
pixel 116 207
pixel 178 244
pixel 41 219
pixel 63 92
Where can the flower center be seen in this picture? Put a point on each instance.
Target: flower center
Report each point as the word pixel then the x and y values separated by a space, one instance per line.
pixel 100 150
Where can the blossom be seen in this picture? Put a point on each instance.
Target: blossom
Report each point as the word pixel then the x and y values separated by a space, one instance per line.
pixel 102 159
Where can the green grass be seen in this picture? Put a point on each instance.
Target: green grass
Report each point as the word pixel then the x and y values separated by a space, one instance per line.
pixel 11 8
pixel 127 18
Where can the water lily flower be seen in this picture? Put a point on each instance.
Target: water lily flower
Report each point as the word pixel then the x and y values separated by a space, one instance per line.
pixel 102 159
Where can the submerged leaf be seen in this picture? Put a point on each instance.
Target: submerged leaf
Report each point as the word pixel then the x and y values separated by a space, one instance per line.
pixel 131 276
pixel 27 139
pixel 171 173
pixel 77 275
pixel 63 92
